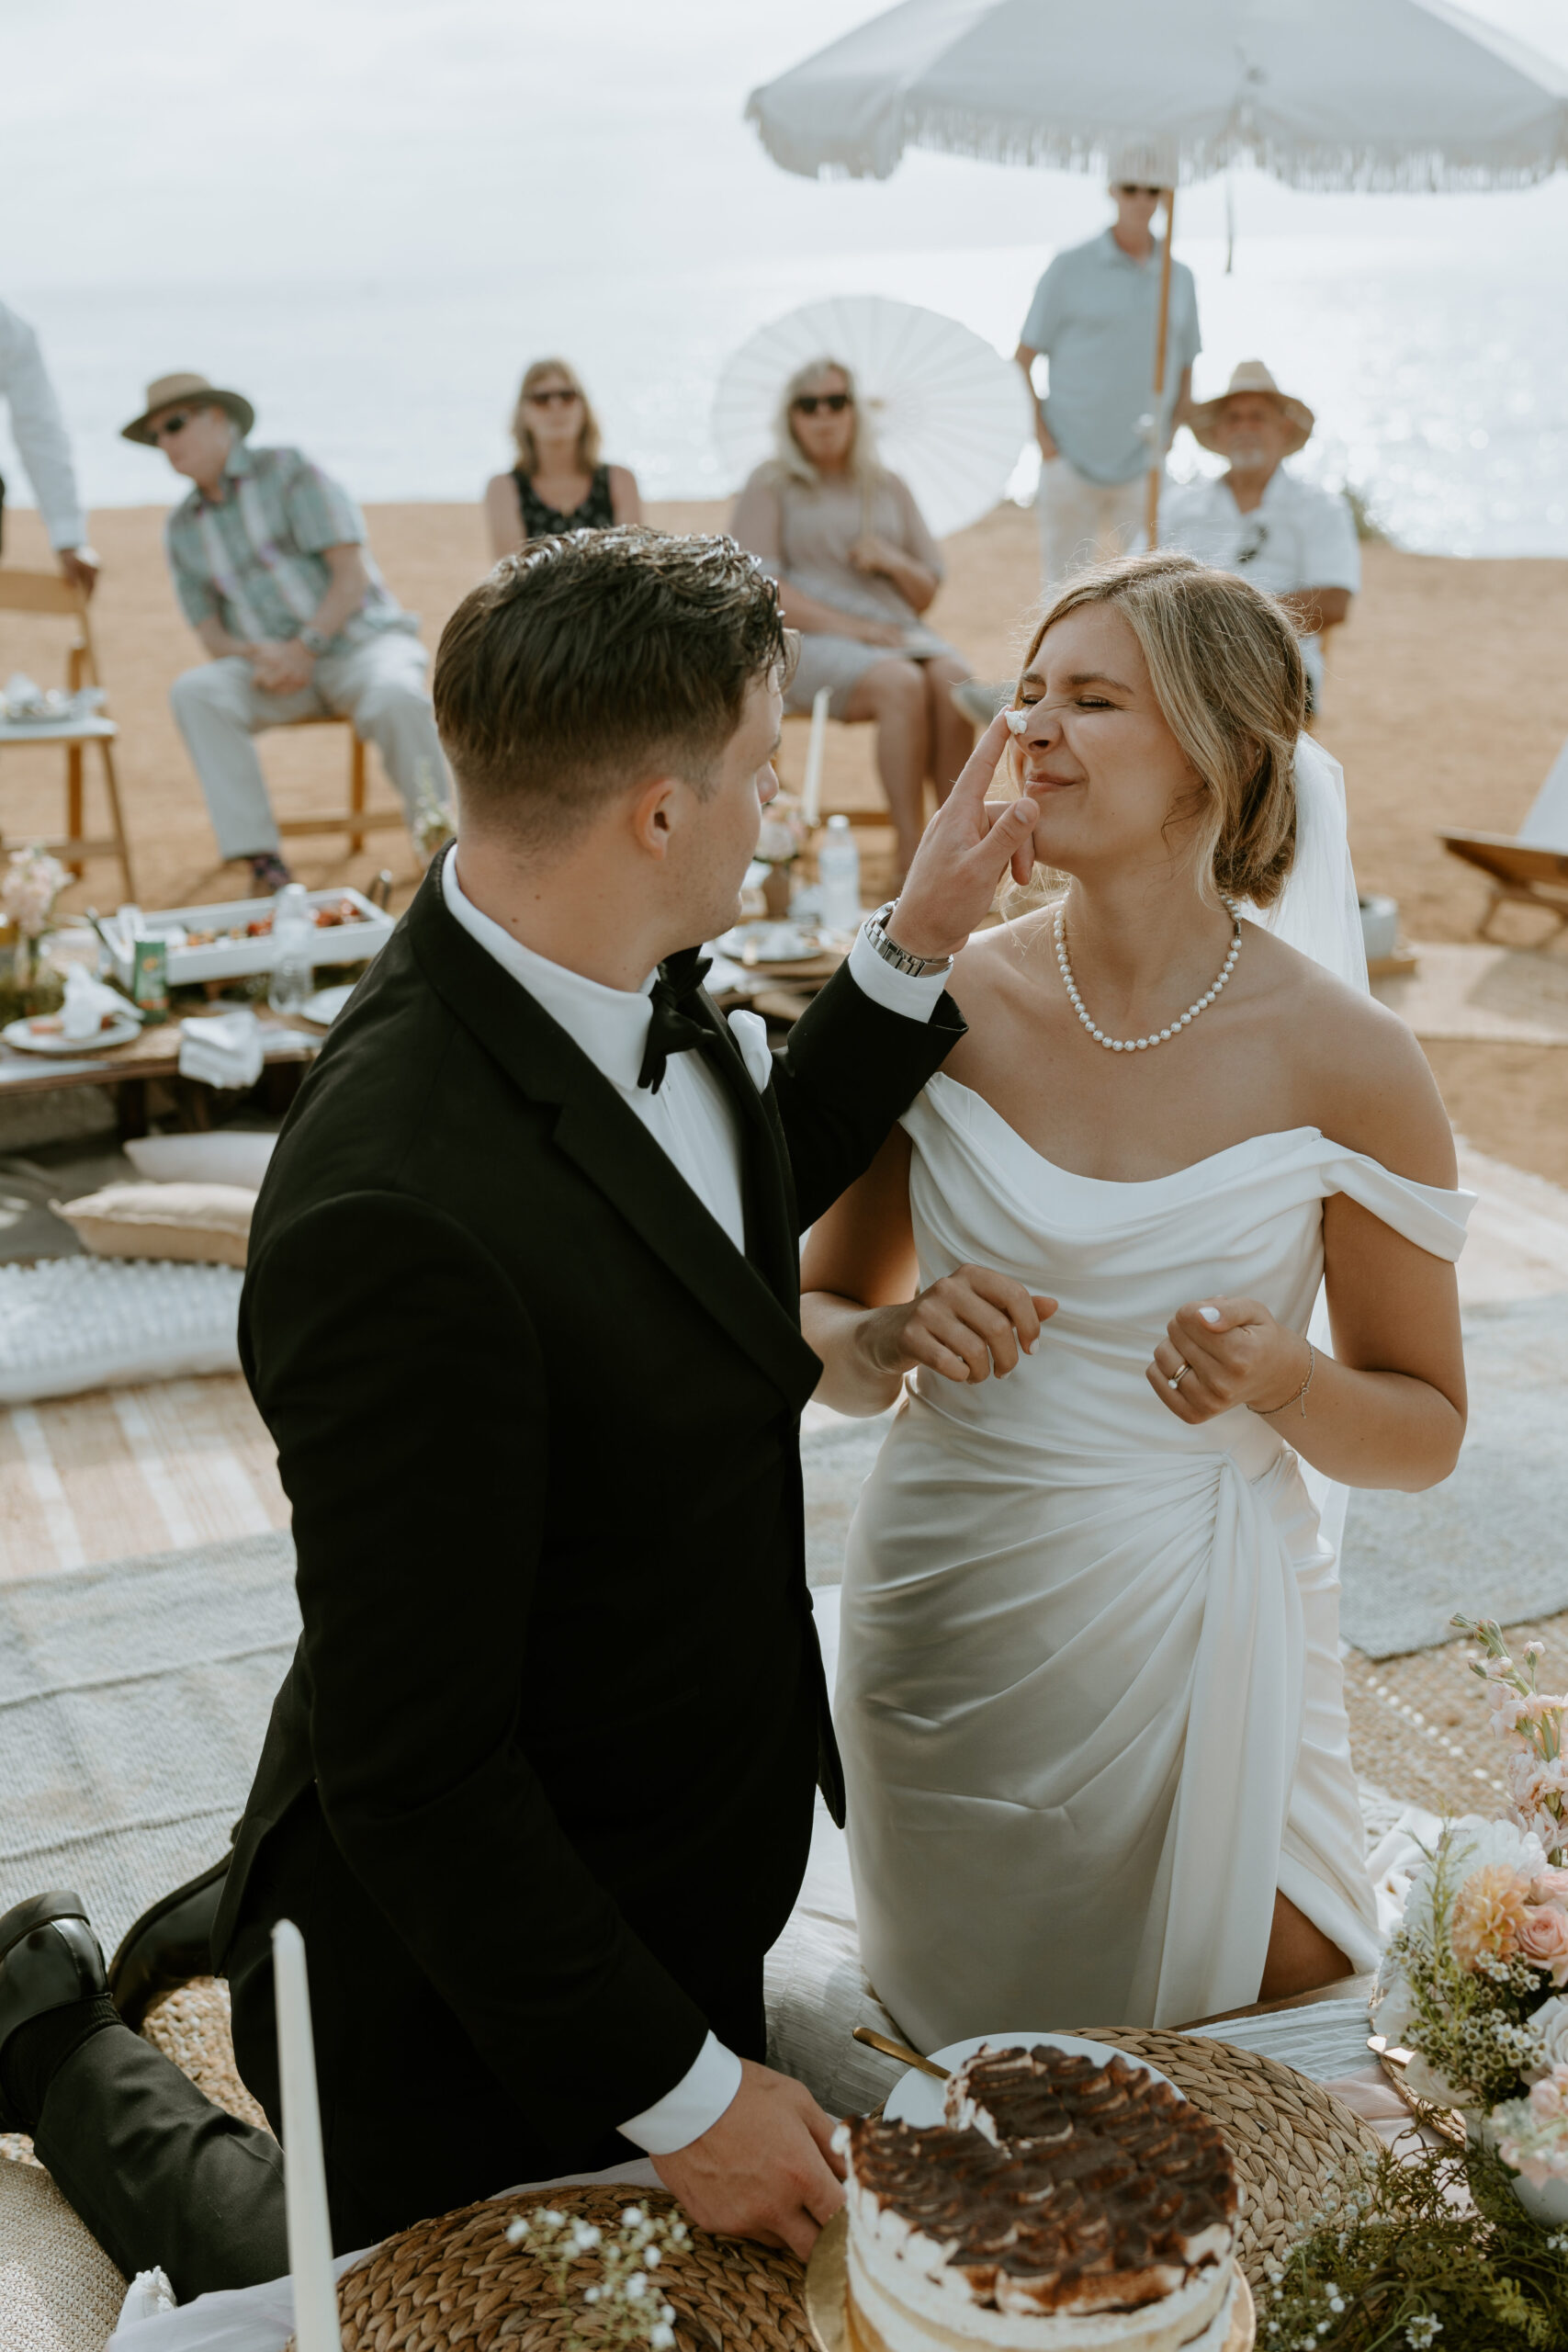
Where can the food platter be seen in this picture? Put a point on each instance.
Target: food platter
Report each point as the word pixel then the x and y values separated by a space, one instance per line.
pixel 826 2296
pixel 231 939
pixel 44 1034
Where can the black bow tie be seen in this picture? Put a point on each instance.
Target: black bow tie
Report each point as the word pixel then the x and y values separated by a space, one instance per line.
pixel 673 1030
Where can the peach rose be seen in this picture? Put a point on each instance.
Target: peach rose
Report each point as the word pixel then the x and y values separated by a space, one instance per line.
pixel 1543 1940
pixel 1549 1886
pixel 1489 1914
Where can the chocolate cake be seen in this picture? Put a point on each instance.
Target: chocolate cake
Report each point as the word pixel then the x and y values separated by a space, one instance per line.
pixel 1063 2206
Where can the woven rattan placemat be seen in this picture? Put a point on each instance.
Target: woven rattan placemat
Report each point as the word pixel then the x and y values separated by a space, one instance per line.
pixel 1286 2133
pixel 457 2281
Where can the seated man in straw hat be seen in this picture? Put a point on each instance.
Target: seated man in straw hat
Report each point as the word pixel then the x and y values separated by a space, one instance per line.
pixel 1289 537
pixel 272 570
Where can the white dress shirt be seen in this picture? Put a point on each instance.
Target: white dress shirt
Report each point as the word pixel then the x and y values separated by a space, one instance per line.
pixel 691 1119
pixel 38 430
pixel 1296 536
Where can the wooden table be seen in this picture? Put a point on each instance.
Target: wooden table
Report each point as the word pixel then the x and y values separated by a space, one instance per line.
pixel 287 1051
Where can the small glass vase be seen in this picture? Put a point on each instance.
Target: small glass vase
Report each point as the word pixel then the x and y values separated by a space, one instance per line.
pixel 30 982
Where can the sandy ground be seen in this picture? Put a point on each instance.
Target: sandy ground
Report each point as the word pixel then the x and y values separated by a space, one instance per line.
pixel 1447 699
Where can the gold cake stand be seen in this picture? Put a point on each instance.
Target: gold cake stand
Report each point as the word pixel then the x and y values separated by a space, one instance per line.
pixel 827 2298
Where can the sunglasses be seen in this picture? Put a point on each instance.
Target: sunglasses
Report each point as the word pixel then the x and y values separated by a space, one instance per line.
pixel 807 404
pixel 1133 187
pixel 167 426
pixel 559 397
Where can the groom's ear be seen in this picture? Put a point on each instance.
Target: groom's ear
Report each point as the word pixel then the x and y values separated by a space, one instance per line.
pixel 654 813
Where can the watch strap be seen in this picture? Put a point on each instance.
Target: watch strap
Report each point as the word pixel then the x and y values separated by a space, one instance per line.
pixel 917 967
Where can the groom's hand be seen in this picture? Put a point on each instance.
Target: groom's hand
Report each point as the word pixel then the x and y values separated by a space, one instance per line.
pixel 964 851
pixel 766 2169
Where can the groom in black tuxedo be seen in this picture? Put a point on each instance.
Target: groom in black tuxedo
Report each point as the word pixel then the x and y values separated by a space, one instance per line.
pixel 521 1316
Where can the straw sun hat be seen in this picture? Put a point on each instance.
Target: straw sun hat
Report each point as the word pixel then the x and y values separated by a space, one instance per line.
pixel 1252 377
pixel 182 386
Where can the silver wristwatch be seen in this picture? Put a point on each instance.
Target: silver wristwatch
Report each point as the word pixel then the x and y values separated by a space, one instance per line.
pixel 314 642
pixel 919 968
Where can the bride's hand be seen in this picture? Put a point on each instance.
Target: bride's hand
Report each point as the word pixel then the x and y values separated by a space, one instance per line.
pixel 1234 1353
pixel 971 1323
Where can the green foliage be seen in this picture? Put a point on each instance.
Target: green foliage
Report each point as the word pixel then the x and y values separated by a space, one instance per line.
pixel 1409 2254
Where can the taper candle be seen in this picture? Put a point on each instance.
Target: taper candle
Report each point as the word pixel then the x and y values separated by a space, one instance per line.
pixel 316 2325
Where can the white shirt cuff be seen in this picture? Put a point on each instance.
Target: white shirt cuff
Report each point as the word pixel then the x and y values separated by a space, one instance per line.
pixel 894 990
pixel 694 2106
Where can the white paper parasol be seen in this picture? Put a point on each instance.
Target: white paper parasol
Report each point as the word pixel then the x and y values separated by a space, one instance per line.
pixel 951 414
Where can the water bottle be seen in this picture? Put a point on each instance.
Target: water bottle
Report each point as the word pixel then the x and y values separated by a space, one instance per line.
pixel 837 875
pixel 293 945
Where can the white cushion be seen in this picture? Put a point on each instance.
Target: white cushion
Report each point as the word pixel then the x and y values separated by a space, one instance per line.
pixel 228 1156
pixel 71 1324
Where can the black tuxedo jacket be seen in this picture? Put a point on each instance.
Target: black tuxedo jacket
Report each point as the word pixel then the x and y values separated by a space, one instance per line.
pixel 557 1690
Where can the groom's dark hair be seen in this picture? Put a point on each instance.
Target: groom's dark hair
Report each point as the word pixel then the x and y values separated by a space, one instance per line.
pixel 587 663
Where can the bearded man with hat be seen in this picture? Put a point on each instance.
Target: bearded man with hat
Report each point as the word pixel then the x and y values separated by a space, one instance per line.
pixel 1293 540
pixel 272 570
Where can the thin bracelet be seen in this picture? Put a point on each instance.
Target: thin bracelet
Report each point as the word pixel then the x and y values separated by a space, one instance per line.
pixel 1267 1412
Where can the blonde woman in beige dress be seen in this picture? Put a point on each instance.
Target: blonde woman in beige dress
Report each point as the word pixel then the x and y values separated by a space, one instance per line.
pixel 857 567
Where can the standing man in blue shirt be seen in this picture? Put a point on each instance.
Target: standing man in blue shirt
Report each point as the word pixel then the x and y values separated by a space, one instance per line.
pixel 1094 320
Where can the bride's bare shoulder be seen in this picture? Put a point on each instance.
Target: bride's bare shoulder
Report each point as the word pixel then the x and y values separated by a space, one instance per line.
pixel 1359 1070
pixel 1005 959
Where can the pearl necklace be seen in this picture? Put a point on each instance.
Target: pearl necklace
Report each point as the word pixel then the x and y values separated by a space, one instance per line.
pixel 1139 1044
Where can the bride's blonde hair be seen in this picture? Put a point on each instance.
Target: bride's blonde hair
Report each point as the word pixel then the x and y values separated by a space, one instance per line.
pixel 1226 672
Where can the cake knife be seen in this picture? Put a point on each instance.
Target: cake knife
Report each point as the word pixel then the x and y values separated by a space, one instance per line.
pixel 898 2049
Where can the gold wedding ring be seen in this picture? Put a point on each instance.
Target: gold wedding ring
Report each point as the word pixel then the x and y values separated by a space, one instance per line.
pixel 1178 1375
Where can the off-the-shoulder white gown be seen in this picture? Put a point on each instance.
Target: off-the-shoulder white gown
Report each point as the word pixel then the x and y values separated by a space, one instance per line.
pixel 1090 1693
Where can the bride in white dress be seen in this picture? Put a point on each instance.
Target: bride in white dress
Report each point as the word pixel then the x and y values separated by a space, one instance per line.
pixel 1090 1693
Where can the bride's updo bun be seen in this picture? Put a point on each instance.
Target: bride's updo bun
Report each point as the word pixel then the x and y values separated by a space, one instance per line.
pixel 1226 672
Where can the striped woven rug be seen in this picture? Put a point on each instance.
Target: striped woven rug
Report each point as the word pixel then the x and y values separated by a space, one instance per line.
pixel 123 1472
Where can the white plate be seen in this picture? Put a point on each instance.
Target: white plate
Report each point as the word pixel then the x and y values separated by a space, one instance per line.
pixel 327 1003
pixel 22 1034
pixel 770 943
pixel 918 2098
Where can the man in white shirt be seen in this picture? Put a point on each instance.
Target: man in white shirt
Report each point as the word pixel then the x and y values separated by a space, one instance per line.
pixel 1094 319
pixel 38 430
pixel 1287 536
pixel 522 1311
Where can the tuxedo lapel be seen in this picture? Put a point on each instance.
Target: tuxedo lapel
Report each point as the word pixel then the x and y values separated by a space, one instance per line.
pixel 614 1151
pixel 770 1243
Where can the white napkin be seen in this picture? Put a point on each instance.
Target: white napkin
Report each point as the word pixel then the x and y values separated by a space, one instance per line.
pixel 224 1049
pixel 86 1001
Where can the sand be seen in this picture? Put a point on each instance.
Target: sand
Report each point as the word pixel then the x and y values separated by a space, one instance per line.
pixel 1448 700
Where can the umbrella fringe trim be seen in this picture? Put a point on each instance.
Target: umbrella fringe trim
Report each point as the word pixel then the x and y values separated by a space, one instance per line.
pixel 1321 167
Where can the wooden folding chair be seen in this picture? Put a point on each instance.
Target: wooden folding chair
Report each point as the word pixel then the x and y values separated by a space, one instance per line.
pixel 1530 867
pixel 358 820
pixel 46 591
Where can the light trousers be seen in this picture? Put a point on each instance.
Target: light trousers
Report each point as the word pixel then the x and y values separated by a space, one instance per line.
pixel 1084 522
pixel 377 684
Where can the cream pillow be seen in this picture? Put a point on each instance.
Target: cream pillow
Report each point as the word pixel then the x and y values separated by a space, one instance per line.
pixel 225 1155
pixel 207 1223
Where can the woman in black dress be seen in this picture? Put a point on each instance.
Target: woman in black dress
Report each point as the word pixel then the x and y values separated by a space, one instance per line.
pixel 557 483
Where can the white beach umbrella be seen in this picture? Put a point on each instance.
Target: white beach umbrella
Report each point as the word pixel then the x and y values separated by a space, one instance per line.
pixel 951 414
pixel 1371 95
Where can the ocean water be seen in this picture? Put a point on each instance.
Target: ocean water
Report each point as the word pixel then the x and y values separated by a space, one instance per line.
pixel 370 214
pixel 1438 373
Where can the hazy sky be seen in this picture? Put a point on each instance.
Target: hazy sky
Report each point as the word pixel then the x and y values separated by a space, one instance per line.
pixel 311 140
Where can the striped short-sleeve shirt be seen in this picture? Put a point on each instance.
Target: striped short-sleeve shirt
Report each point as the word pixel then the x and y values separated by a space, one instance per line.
pixel 254 558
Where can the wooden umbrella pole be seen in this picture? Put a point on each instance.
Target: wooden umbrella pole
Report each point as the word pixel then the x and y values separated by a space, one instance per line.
pixel 1162 335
